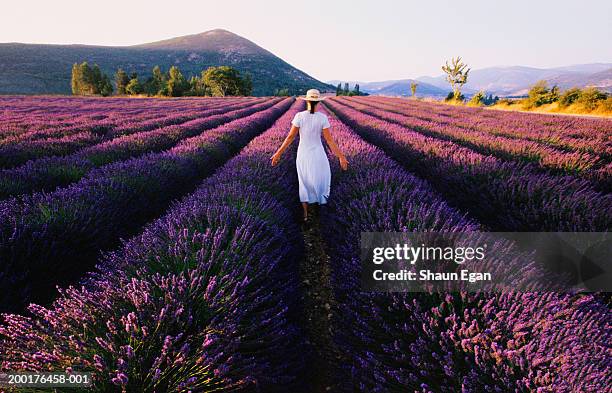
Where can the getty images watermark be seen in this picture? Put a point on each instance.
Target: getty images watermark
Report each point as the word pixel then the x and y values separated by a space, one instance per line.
pixel 486 261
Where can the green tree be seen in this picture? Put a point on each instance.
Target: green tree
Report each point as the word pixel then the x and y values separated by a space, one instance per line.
pixel 134 87
pixel 105 87
pixel 177 84
pixel 284 92
pixel 76 80
pixel 539 94
pixel 194 87
pixel 86 80
pixel 569 96
pixel 590 98
pixel 121 80
pixel 346 89
pixel 339 89
pixel 413 88
pixel 478 99
pixel 457 75
pixel 226 81
pixel 156 84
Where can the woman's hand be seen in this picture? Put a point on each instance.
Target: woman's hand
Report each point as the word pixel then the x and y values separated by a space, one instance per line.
pixel 343 163
pixel 275 158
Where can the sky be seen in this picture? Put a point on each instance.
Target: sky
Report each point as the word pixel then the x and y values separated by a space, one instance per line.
pixel 364 40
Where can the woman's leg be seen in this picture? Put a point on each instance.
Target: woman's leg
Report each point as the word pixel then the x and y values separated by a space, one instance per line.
pixel 305 207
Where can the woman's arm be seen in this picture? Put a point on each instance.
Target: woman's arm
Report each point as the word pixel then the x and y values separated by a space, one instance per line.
pixel 286 143
pixel 335 149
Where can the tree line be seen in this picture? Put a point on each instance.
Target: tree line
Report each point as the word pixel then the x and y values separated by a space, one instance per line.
pixel 218 81
pixel 347 91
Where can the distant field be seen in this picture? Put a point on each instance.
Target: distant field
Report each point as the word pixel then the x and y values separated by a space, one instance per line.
pixel 185 243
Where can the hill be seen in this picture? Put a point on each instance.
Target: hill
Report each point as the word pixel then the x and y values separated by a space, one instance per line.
pixel 45 69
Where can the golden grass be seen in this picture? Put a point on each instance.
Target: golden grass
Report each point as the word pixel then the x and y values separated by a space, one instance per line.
pixel 575 109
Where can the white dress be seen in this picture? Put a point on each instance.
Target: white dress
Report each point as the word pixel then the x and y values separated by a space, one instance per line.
pixel 314 175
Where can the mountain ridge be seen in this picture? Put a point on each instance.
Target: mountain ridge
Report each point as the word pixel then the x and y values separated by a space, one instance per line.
pixel 516 80
pixel 45 68
pixel 498 80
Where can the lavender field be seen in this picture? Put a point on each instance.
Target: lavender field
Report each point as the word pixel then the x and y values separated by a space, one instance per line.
pixel 151 242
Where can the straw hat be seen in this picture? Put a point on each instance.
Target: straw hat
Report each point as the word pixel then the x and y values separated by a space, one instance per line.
pixel 312 95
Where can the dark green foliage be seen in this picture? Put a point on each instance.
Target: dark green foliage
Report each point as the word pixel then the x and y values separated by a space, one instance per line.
pixel 348 92
pixel 86 80
pixel 451 97
pixel 134 87
pixel 569 96
pixel 105 86
pixel 196 87
pixel 121 80
pixel 478 98
pixel 177 84
pixel 226 81
pixel 539 94
pixel 282 92
pixel 481 98
pixel 590 98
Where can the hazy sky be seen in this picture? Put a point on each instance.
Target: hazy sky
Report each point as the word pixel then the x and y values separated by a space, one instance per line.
pixel 338 39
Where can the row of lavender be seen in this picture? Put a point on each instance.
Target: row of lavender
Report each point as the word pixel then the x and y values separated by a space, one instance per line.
pixel 24 114
pixel 47 173
pixel 74 117
pixel 65 141
pixel 444 342
pixel 49 239
pixel 205 299
pixel 569 133
pixel 586 164
pixel 107 122
pixel 505 196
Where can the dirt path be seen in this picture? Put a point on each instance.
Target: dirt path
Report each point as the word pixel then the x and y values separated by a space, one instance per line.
pixel 318 303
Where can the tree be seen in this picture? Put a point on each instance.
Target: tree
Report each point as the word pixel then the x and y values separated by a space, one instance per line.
pixel 105 87
pixel 88 80
pixel 413 88
pixel 177 84
pixel 457 75
pixel 196 88
pixel 226 81
pixel 284 92
pixel 346 89
pixel 121 80
pixel 590 98
pixel 156 84
pixel 569 96
pixel 356 89
pixel 76 79
pixel 339 89
pixel 133 87
pixel 478 99
pixel 539 94
pixel 82 79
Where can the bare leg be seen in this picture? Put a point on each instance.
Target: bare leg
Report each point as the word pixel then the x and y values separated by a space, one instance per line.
pixel 305 207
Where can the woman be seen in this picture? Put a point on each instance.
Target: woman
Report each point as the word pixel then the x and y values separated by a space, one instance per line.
pixel 314 175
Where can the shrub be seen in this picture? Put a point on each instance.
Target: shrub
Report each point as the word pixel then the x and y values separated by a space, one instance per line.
pixel 590 98
pixel 569 97
pixel 479 99
pixel 606 105
pixel 539 94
